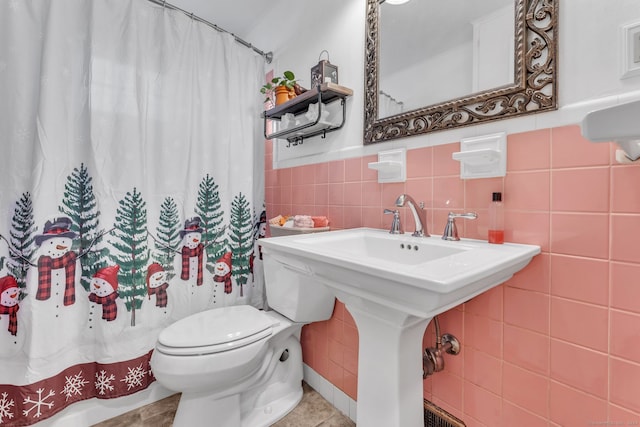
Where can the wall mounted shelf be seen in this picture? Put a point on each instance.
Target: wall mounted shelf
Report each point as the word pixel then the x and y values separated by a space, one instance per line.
pixel 305 125
pixel 483 156
pixel 391 165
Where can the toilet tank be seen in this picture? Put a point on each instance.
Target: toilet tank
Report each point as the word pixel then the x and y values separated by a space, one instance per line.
pixel 293 293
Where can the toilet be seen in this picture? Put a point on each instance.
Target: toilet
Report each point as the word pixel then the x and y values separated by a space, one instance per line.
pixel 239 366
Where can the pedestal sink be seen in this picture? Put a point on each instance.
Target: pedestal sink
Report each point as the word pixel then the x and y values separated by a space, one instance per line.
pixel 393 285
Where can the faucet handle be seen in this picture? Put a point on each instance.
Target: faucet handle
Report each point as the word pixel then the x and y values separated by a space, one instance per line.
pixel 450 230
pixel 396 227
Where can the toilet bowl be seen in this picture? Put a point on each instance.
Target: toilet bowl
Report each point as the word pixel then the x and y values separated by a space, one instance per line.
pixel 239 366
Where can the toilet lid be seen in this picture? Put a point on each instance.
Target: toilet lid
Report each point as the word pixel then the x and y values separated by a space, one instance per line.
pixel 216 330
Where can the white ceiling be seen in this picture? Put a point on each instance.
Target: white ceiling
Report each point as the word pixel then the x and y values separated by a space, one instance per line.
pixel 240 17
pixel 426 26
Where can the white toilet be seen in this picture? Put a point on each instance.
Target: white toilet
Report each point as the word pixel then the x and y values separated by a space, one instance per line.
pixel 239 366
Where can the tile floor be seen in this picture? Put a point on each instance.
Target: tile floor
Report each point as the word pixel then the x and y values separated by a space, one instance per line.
pixel 312 411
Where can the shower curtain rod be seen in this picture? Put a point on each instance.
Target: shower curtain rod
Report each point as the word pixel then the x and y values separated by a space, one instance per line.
pixel 268 56
pixel 383 93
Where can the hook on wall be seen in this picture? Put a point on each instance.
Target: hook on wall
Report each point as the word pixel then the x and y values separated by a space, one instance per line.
pixel 298 140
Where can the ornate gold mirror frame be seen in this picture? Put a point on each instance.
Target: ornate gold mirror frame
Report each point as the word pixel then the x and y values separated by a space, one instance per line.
pixel 534 90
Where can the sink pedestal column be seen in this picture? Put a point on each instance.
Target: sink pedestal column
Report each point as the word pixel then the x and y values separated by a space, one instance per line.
pixel 389 365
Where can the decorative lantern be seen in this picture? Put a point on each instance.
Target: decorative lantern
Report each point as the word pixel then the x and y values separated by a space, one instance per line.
pixel 324 72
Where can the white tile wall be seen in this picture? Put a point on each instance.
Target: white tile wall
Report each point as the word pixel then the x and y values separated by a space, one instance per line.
pixel 331 393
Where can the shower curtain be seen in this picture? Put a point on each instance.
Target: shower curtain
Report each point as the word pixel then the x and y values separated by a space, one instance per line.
pixel 131 192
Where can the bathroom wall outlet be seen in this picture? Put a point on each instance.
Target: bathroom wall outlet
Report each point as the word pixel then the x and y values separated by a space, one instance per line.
pixel 630 50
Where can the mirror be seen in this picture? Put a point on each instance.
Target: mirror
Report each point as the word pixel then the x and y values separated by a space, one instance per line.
pixel 433 65
pixel 471 53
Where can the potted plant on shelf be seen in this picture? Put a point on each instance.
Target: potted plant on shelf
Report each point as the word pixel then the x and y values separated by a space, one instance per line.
pixel 280 89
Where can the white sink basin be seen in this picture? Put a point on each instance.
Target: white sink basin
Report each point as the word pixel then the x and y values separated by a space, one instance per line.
pixel 421 276
pixel 381 248
pixel 393 285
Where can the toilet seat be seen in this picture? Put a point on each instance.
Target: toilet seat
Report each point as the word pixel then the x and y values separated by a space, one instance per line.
pixel 215 331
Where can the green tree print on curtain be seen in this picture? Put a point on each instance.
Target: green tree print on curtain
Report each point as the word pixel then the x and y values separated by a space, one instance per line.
pixel 79 204
pixel 168 238
pixel 21 249
pixel 209 209
pixel 132 253
pixel 241 239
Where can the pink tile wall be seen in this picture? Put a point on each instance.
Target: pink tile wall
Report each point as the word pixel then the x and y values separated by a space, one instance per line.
pixel 559 343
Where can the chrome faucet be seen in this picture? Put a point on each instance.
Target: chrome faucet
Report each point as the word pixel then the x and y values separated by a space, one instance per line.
pixel 396 227
pixel 419 214
pixel 450 230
